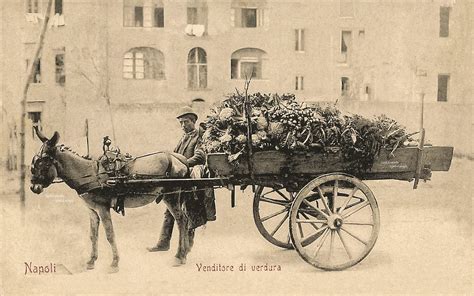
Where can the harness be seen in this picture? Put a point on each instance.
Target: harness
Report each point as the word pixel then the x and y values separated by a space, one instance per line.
pixel 111 164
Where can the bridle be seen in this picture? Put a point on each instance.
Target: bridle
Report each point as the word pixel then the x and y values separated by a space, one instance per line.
pixel 43 162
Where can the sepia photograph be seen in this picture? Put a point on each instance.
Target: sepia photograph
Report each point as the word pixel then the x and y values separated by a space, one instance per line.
pixel 243 147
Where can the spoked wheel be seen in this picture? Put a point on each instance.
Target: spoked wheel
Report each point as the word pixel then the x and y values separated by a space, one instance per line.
pixel 334 222
pixel 271 209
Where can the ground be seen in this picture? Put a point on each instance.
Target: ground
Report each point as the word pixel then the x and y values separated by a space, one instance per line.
pixel 424 246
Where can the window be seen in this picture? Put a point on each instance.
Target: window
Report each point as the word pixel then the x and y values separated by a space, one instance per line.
pixel 443 83
pixel 299 39
pixel 197 68
pixel 346 39
pixel 444 21
pixel 196 18
pixel 192 16
pixel 36 72
pixel 247 63
pixel 36 120
pixel 249 18
pixel 60 71
pixel 345 87
pixel 159 17
pixel 299 83
pixel 32 6
pixel 346 8
pixel 144 63
pixel 58 7
pixel 197 12
pixel 143 13
pixel 248 14
pixel 138 16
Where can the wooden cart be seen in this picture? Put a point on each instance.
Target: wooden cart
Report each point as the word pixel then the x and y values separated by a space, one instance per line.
pixel 309 201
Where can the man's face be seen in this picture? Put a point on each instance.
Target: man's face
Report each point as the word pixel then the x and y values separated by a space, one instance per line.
pixel 187 123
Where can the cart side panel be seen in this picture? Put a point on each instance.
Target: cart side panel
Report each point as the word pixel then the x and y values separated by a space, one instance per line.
pixel 277 163
pixel 438 158
pixel 402 161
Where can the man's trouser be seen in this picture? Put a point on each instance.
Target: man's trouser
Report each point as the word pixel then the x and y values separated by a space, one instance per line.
pixel 209 204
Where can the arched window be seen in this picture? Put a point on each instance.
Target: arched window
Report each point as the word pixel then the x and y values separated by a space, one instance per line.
pixel 247 63
pixel 144 63
pixel 197 68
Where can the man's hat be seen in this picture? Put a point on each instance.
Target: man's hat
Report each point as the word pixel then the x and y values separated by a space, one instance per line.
pixel 186 110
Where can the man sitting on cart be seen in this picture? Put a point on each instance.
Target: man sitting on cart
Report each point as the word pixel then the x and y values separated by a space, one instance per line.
pixel 199 205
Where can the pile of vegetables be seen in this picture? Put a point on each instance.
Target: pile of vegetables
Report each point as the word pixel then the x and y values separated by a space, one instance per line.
pixel 279 122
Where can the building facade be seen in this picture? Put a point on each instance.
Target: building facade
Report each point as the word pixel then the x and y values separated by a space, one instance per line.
pixel 127 65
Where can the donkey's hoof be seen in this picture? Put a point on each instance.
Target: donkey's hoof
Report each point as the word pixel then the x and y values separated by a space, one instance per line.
pixel 159 248
pixel 113 269
pixel 179 261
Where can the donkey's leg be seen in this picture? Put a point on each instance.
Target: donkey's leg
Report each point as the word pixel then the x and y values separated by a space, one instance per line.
pixel 173 204
pixel 94 234
pixel 104 213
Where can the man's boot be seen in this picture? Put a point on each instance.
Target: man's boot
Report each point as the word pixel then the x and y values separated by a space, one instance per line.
pixel 165 236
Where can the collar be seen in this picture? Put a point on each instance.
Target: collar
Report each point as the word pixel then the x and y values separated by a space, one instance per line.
pixel 191 133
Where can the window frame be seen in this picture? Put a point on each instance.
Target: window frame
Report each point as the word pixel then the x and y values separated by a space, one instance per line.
pixel 345 81
pixel 257 58
pixel 242 17
pixel 299 83
pixel 236 15
pixel 29 3
pixel 158 23
pixel 444 26
pixel 60 70
pixel 61 7
pixel 300 40
pixel 440 97
pixel 36 121
pixel 138 63
pixel 149 14
pixel 37 71
pixel 196 66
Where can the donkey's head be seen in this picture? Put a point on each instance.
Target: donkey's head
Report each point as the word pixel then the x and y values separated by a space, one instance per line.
pixel 43 165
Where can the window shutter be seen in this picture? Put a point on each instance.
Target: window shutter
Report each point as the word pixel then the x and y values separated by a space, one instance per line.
pixel 128 16
pixel 232 17
pixel 148 16
pixel 266 18
pixel 261 17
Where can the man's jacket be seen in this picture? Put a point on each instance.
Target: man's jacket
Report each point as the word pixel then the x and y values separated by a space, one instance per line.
pixel 190 147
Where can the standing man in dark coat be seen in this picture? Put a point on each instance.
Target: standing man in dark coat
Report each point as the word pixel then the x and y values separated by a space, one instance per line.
pixel 195 206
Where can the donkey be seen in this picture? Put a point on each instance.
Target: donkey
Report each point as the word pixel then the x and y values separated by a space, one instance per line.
pixel 82 174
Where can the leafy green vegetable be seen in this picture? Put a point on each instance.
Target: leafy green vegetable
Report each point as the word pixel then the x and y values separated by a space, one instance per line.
pixel 279 122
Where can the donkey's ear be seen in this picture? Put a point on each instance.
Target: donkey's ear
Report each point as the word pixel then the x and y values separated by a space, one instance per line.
pixel 54 139
pixel 40 134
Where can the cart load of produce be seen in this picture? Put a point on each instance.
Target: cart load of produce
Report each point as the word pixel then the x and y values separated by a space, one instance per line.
pixel 280 122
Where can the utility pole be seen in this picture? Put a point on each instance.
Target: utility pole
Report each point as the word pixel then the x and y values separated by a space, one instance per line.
pixel 30 71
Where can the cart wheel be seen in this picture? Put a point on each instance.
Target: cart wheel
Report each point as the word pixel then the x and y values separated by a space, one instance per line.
pixel 334 221
pixel 271 209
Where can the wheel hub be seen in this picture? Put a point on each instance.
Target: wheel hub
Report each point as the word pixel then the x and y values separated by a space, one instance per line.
pixel 335 222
